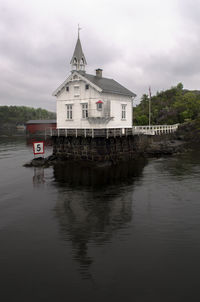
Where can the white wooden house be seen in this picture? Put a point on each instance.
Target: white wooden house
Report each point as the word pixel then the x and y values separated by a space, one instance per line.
pixel 86 101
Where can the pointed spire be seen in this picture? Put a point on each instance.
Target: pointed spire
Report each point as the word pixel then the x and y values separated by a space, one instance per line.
pixel 78 60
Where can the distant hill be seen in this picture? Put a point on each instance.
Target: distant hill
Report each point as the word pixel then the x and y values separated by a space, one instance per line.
pixel 13 115
pixel 175 105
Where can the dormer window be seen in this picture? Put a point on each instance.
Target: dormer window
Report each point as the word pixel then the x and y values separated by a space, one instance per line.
pixel 99 105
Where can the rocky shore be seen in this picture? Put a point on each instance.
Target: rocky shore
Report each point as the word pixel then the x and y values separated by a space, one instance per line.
pixel 165 147
pixel 157 148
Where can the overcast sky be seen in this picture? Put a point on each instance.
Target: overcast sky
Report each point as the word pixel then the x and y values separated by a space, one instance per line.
pixel 139 43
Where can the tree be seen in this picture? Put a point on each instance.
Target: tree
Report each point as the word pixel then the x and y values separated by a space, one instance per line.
pixel 21 114
pixel 174 105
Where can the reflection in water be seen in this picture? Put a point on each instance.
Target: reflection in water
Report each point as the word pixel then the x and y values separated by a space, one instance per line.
pixel 38 177
pixel 73 174
pixel 47 140
pixel 91 207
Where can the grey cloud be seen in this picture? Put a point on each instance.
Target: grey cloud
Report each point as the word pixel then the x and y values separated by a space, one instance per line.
pixel 189 11
pixel 37 69
pixel 35 57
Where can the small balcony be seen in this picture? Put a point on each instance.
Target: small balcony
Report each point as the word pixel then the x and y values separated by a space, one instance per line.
pixel 99 116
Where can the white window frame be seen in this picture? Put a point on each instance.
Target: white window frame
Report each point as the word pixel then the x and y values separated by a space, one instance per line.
pixel 123 114
pixel 84 110
pixel 69 108
pixel 76 90
pixel 99 106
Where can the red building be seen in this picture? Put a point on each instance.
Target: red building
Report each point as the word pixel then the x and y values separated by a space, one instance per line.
pixel 40 126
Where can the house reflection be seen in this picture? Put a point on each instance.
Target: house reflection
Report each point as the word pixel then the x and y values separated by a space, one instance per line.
pixel 38 177
pixel 93 204
pixel 75 174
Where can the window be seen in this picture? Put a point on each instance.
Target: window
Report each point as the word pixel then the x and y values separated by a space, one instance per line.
pixel 86 86
pixel 99 106
pixel 84 110
pixel 69 111
pixel 123 112
pixel 76 90
pixel 67 88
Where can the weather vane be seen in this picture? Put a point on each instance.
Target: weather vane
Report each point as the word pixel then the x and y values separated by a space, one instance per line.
pixel 79 28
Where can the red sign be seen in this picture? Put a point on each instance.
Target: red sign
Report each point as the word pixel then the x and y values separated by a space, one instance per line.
pixel 38 147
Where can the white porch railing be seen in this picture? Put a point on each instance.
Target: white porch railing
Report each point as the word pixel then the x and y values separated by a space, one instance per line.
pixel 113 132
pixel 155 129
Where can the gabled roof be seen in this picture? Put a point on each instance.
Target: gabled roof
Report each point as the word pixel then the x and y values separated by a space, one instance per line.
pixel 81 75
pixel 101 84
pixel 109 85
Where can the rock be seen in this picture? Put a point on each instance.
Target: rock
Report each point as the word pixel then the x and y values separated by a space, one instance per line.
pixel 37 162
pixel 165 148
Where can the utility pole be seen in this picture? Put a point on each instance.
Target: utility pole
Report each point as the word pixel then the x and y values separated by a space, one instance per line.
pixel 149 106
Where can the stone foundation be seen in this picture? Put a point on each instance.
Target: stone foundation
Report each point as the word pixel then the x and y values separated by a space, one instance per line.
pixel 100 149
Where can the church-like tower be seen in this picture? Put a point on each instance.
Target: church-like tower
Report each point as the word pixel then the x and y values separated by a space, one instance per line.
pixel 78 60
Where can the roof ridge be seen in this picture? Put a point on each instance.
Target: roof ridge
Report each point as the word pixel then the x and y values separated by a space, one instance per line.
pixel 98 77
pixel 109 85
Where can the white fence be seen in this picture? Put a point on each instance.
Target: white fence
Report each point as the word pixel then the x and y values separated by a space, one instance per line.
pixel 106 132
pixel 155 130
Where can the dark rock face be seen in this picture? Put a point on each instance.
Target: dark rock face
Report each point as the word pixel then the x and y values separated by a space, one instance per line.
pixel 41 162
pixel 103 151
pixel 168 147
pixel 112 149
pixel 99 149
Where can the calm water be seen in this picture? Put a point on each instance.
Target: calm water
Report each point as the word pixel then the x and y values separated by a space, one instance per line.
pixel 71 233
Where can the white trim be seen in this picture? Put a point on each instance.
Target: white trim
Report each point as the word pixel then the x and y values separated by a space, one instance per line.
pixel 84 111
pixel 90 83
pixel 69 112
pixel 76 90
pixel 123 112
pixel 68 102
pixel 99 108
pixel 70 79
pixel 61 86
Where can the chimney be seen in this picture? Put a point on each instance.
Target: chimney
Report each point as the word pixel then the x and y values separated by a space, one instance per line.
pixel 99 73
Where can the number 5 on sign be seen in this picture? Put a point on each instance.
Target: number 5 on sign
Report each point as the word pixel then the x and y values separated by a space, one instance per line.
pixel 38 148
